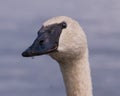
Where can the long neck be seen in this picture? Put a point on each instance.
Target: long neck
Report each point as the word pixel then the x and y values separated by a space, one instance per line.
pixel 77 79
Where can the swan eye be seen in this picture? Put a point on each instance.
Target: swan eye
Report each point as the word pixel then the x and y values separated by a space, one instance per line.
pixel 64 25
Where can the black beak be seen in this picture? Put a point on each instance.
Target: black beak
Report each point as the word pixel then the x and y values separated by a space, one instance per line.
pixel 46 42
pixel 42 45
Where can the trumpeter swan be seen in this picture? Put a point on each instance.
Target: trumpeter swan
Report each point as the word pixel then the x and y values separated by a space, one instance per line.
pixel 64 40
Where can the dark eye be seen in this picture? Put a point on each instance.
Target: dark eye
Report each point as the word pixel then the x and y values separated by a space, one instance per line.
pixel 64 25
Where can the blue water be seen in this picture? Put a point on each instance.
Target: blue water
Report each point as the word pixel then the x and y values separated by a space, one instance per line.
pixel 19 23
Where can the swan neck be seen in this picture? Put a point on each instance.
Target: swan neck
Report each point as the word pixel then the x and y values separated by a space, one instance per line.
pixel 77 77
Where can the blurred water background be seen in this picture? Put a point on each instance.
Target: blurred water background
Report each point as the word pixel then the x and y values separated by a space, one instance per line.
pixel 19 22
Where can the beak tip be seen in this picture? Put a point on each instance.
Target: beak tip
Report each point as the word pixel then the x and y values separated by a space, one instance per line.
pixel 24 54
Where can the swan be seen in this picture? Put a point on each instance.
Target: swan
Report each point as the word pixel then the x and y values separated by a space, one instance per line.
pixel 64 40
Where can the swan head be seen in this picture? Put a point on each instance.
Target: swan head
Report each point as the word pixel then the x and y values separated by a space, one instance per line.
pixel 60 37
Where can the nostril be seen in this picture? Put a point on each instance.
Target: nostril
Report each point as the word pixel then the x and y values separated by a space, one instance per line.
pixel 41 42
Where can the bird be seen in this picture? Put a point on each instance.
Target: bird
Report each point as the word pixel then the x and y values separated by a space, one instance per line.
pixel 64 40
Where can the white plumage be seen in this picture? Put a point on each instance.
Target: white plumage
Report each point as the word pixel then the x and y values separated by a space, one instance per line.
pixel 72 57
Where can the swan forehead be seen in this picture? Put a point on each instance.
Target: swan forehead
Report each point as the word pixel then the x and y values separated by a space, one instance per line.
pixel 58 19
